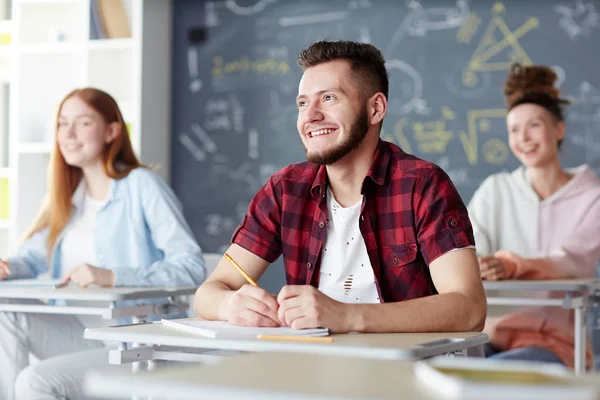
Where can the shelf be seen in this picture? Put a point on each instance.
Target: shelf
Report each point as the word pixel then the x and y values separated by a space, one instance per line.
pixel 4 173
pixel 53 2
pixel 5 224
pixel 51 48
pixel 110 44
pixel 34 148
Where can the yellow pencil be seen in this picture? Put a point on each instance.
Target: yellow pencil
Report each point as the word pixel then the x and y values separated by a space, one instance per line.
pixel 315 339
pixel 244 274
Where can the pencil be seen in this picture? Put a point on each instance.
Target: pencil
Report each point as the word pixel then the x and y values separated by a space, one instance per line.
pixel 244 274
pixel 314 339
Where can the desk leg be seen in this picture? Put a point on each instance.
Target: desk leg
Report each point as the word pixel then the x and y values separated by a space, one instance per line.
pixel 580 334
pixel 135 366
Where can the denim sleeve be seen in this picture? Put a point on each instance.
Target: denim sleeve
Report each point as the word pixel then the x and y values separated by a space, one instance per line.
pixel 31 258
pixel 182 263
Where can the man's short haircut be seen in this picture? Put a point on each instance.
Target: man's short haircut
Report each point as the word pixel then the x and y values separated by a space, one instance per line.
pixel 366 63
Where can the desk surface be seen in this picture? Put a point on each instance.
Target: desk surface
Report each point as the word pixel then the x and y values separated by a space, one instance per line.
pixel 94 294
pixel 400 346
pixel 569 285
pixel 275 376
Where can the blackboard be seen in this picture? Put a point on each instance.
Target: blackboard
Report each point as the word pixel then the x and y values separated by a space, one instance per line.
pixel 235 80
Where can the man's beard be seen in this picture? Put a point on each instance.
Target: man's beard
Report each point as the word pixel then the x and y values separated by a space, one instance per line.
pixel 358 131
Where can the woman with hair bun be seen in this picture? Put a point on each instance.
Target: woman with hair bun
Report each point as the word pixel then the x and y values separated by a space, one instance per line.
pixel 540 221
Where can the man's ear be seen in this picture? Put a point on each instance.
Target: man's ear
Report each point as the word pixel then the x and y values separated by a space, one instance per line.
pixel 377 108
pixel 113 132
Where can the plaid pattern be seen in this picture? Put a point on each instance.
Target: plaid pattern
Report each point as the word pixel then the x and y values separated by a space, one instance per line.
pixel 410 215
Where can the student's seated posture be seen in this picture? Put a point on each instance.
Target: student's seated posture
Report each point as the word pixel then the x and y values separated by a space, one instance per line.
pixel 108 221
pixel 373 239
pixel 539 221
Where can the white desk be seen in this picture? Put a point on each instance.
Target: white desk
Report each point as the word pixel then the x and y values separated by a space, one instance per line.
pixel 275 376
pixel 165 343
pixel 577 296
pixel 106 298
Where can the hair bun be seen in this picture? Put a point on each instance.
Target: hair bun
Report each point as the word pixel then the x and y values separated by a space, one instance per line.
pixel 524 80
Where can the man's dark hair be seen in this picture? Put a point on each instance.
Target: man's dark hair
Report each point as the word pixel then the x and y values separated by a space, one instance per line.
pixel 366 62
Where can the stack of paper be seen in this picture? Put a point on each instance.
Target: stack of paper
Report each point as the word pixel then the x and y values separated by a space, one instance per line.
pixel 225 330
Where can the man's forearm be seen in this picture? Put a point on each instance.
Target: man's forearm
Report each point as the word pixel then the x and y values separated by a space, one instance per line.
pixel 448 312
pixel 209 297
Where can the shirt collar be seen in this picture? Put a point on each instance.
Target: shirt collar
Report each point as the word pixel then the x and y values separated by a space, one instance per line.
pixel 115 192
pixel 377 172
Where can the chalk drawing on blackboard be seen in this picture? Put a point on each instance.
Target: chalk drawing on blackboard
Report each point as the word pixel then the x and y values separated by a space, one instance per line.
pixel 409 99
pixel 192 147
pixel 358 4
pixel 398 136
pixel 421 20
pixel 479 121
pixel 495 151
pixel 208 145
pixel 459 176
pixel 469 28
pixel 584 113
pixel 453 80
pixel 211 15
pixel 432 136
pixel 498 47
pixel 364 35
pixel 561 75
pixel 313 18
pixel 253 144
pixel 243 72
pixel 195 83
pixel 257 7
pixel 578 21
pixel 224 114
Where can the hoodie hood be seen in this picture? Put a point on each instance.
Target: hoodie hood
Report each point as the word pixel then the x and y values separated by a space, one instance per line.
pixel 583 182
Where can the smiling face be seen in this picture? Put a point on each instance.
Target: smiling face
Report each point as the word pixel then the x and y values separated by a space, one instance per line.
pixel 332 116
pixel 533 135
pixel 82 133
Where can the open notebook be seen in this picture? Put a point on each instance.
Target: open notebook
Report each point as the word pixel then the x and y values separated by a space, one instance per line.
pixel 225 330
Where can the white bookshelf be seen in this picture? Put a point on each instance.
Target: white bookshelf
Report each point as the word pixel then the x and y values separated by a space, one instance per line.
pixel 51 53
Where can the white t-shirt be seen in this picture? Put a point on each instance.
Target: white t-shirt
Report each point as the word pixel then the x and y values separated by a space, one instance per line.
pixel 78 243
pixel 346 274
pixel 78 248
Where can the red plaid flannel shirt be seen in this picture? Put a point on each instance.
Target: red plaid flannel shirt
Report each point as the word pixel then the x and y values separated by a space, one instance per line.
pixel 410 215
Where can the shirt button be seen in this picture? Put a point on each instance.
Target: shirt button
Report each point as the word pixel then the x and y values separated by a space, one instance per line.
pixel 308 265
pixel 453 223
pixel 395 259
pixel 321 224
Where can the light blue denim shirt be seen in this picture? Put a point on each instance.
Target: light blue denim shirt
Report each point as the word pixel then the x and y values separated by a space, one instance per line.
pixel 141 235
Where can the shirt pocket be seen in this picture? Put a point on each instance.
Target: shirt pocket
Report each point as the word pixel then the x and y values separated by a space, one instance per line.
pixel 399 255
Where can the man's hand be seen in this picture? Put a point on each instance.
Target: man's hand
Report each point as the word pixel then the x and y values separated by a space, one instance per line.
pixel 85 275
pixel 491 268
pixel 250 306
pixel 303 306
pixel 4 270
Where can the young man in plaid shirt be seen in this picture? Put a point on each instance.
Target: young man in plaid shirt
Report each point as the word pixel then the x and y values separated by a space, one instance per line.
pixel 373 239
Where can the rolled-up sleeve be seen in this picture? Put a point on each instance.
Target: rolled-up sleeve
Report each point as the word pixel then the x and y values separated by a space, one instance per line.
pixel 441 218
pixel 260 230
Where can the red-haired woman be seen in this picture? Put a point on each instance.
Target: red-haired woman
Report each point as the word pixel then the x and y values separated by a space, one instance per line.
pixel 108 221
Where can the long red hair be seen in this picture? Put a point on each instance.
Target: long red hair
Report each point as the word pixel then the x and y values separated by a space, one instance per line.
pixel 118 159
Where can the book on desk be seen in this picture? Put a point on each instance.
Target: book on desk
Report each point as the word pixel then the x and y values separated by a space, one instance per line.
pixel 225 330
pixel 460 378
